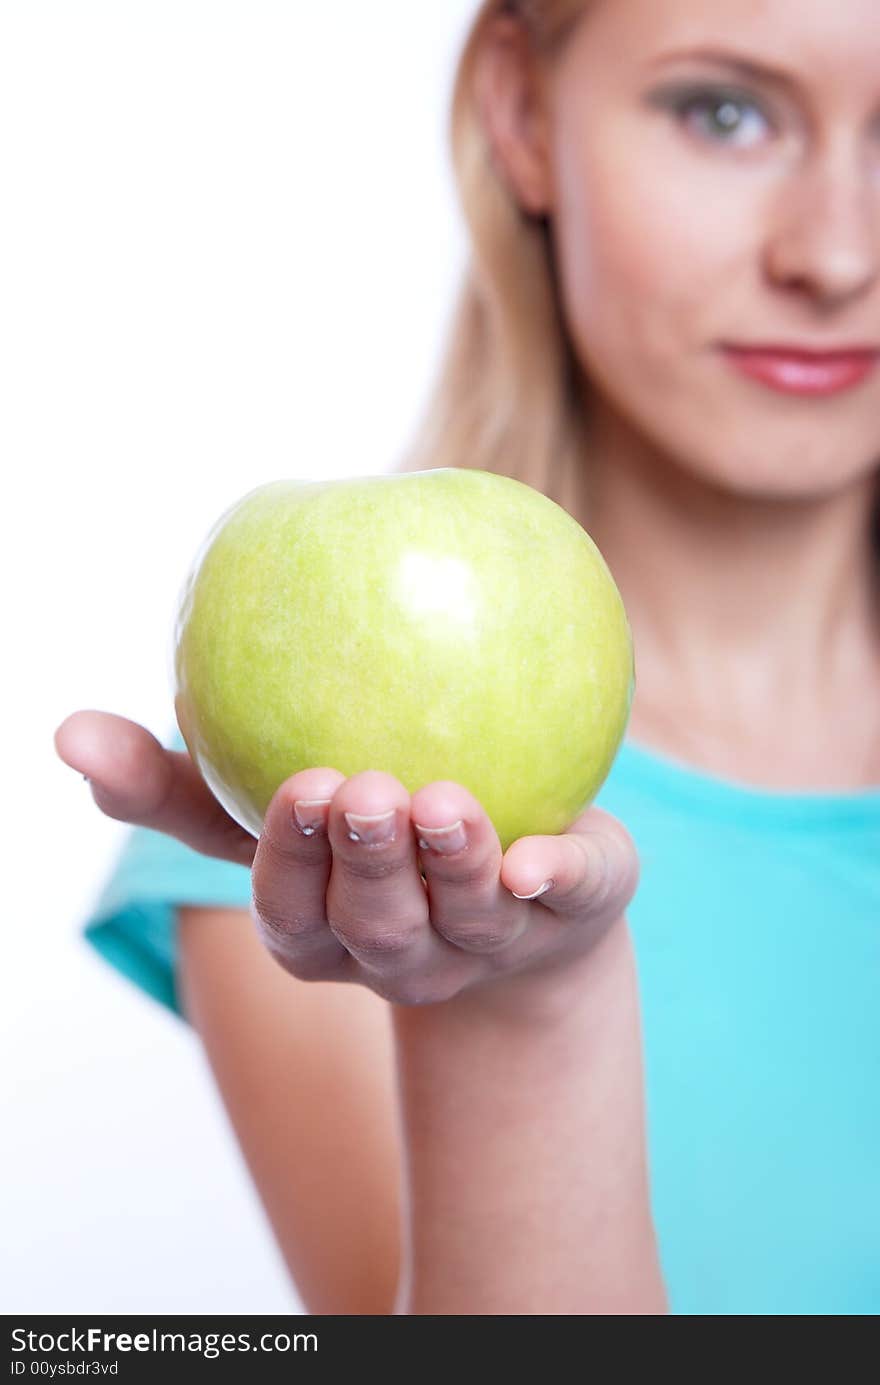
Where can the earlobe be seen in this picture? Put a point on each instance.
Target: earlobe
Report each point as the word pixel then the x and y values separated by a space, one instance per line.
pixel 512 111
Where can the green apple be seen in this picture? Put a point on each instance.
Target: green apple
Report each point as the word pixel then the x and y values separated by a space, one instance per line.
pixel 443 624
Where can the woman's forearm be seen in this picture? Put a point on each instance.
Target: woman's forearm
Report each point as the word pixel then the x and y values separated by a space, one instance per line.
pixel 526 1188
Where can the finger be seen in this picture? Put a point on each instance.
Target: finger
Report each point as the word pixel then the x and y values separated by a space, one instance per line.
pixel 290 874
pixel 376 902
pixel 593 869
pixel 461 856
pixel 135 779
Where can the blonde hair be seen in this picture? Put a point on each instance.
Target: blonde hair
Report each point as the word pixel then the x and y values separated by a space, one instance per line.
pixel 510 395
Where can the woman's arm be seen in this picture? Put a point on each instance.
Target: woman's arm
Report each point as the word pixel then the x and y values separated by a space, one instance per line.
pixel 526 1179
pixel 515 1030
pixel 306 1073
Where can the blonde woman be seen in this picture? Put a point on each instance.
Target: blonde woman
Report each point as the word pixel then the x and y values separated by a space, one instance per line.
pixel 652 1087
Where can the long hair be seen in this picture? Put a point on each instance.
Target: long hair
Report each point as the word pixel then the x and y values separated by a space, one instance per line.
pixel 510 395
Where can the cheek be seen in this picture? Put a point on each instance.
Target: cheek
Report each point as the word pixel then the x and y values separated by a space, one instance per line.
pixel 654 273
pixel 649 289
pixel 644 270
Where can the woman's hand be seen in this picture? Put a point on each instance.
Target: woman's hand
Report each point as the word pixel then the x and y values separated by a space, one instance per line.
pixel 416 918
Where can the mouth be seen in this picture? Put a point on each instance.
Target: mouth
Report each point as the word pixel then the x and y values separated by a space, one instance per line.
pixel 795 370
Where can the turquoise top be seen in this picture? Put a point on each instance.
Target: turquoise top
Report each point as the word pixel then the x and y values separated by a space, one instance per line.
pixel 757 933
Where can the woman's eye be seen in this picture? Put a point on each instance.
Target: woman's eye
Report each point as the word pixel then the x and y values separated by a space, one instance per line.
pixel 723 117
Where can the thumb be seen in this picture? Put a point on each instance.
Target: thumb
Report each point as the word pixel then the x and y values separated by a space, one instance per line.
pixel 134 779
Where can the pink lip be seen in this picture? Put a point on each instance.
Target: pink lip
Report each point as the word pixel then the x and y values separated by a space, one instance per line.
pixel 805 373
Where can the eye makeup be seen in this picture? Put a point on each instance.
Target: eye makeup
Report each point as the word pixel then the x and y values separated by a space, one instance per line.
pixel 685 100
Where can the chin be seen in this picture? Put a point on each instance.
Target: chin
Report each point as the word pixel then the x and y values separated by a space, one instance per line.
pixel 731 451
pixel 778 480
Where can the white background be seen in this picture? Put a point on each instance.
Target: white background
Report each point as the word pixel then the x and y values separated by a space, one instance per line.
pixel 229 246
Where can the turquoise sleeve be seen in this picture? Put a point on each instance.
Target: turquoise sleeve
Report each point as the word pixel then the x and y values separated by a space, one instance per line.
pixel 132 924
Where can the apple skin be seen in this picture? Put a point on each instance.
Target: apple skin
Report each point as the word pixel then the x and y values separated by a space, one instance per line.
pixel 444 624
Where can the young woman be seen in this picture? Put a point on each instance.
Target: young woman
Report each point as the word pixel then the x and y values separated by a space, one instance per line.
pixel 671 325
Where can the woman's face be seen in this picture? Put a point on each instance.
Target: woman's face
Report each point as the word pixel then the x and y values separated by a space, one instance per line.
pixel 694 203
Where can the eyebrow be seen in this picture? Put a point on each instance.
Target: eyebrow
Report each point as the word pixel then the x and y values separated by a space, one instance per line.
pixel 746 67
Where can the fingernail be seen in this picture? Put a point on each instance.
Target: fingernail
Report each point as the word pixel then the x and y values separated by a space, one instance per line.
pixel 371 829
pixel 311 815
pixel 547 885
pixel 444 840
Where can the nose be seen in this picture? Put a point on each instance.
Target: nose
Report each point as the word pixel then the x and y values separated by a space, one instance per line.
pixel 826 242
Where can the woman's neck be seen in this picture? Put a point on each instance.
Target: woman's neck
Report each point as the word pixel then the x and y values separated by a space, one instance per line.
pixel 756 622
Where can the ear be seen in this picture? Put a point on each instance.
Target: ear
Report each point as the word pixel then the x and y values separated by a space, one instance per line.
pixel 510 88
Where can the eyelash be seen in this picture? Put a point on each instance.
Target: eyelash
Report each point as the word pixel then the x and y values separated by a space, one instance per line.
pixel 683 103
